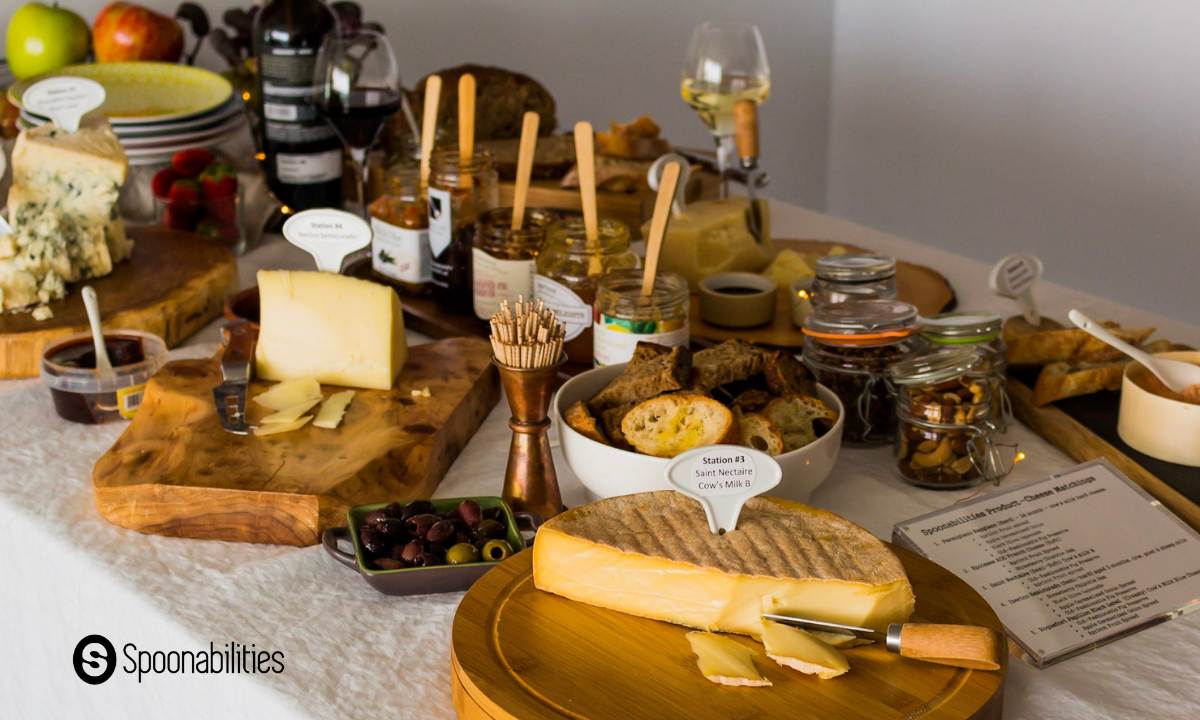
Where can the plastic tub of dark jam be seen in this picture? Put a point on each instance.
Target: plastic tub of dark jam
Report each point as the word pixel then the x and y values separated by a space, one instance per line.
pixel 82 394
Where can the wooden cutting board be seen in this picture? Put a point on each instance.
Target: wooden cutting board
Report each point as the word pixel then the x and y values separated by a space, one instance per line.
pixel 521 653
pixel 924 287
pixel 174 471
pixel 172 286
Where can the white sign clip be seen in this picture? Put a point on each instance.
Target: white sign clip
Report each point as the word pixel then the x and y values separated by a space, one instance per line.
pixel 1014 277
pixel 722 478
pixel 63 99
pixel 328 235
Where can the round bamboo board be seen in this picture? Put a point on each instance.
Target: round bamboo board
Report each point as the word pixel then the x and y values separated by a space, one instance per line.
pixel 518 652
pixel 924 287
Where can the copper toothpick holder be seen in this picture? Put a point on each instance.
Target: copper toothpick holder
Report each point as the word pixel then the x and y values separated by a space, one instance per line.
pixel 530 482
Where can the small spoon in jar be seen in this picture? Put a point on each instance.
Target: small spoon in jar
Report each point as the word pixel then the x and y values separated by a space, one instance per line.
pixel 92 304
pixel 1181 377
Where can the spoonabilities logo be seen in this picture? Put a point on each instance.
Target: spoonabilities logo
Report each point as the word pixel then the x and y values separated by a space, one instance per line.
pixel 95 659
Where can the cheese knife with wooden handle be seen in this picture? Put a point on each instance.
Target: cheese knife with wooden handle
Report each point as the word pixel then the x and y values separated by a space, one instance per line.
pixel 745 131
pixel 965 646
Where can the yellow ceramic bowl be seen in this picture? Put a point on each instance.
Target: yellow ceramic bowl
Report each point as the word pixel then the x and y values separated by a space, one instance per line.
pixel 1159 426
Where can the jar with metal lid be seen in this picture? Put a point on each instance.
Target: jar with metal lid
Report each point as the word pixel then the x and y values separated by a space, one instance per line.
pixel 848 346
pixel 400 254
pixel 854 277
pixel 946 434
pixel 502 261
pixel 623 316
pixel 980 331
pixel 568 268
pixel 460 190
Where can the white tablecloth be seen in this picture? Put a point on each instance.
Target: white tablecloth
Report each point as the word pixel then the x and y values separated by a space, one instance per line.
pixel 351 652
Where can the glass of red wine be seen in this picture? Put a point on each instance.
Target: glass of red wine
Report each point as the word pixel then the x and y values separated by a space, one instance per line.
pixel 359 82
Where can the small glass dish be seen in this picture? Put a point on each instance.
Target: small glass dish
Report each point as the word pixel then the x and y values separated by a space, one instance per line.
pixel 84 395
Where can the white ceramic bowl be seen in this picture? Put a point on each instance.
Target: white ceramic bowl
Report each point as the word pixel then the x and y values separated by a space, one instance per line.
pixel 606 471
pixel 1161 427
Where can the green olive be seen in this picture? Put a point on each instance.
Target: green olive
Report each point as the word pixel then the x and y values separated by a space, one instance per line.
pixel 461 554
pixel 496 550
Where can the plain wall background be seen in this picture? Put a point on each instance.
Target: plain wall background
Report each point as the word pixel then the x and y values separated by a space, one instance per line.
pixel 1070 128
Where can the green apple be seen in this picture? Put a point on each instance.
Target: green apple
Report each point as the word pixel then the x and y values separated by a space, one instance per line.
pixel 42 38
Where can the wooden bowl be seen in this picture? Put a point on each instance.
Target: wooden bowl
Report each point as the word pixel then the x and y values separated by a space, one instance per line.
pixel 1159 426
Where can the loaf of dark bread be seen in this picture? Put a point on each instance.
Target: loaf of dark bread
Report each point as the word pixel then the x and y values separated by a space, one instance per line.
pixel 554 156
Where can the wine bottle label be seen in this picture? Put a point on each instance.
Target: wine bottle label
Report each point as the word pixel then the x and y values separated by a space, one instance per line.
pixel 441 221
pixel 572 311
pixel 495 279
pixel 308 168
pixel 289 96
pixel 614 338
pixel 400 253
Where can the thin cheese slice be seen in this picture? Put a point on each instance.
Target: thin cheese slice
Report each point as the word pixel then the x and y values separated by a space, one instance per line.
pixel 292 414
pixel 651 554
pixel 332 410
pixel 779 606
pixel 276 428
pixel 794 648
pixel 725 661
pixel 290 393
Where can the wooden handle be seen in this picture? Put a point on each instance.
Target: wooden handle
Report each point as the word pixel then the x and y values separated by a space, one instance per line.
pixel 658 224
pixel 585 160
pixel 745 130
pixel 965 646
pixel 529 131
pixel 466 117
pixel 433 91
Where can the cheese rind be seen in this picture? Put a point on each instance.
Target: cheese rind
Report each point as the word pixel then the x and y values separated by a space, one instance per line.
pixel 338 329
pixel 651 555
pixel 799 650
pixel 725 661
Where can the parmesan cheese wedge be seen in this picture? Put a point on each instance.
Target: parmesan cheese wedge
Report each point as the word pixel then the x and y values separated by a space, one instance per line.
pixel 291 414
pixel 794 648
pixel 725 661
pixel 276 428
pixel 332 410
pixel 290 393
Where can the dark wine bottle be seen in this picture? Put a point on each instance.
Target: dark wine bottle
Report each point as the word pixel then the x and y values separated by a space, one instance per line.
pixel 302 155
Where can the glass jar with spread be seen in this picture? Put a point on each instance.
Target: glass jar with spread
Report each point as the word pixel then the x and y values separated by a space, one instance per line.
pixel 623 316
pixel 568 268
pixel 400 252
pixel 946 431
pixel 83 394
pixel 854 277
pixel 502 260
pixel 980 332
pixel 848 346
pixel 460 190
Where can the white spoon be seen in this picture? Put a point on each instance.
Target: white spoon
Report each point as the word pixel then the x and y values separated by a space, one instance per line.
pixel 92 304
pixel 1179 376
pixel 328 235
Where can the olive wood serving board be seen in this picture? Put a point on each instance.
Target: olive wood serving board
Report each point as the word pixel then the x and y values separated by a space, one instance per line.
pixel 518 652
pixel 174 471
pixel 922 286
pixel 173 286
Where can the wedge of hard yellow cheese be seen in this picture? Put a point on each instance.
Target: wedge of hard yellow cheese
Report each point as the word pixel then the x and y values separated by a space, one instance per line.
pixel 651 555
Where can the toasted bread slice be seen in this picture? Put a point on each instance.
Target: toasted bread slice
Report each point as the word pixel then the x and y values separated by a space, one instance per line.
pixel 759 433
pixel 752 400
pixel 728 362
pixel 648 374
pixel 670 424
pixel 794 416
pixel 1063 380
pixel 610 421
pixel 1070 345
pixel 785 375
pixel 583 422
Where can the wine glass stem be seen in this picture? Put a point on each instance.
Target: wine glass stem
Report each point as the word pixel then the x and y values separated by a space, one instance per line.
pixel 364 170
pixel 725 153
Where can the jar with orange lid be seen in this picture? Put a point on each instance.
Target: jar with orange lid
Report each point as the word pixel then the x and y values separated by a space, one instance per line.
pixel 400 253
pixel 848 346
pixel 569 266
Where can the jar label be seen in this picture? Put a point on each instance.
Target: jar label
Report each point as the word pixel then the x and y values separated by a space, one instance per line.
pixel 401 253
pixel 572 311
pixel 309 168
pixel 495 280
pixel 441 221
pixel 615 338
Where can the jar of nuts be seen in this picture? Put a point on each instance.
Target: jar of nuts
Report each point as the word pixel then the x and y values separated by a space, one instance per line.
pixel 981 332
pixel 849 346
pixel 944 409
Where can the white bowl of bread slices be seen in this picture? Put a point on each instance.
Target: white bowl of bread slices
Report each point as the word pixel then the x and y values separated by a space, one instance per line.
pixel 620 425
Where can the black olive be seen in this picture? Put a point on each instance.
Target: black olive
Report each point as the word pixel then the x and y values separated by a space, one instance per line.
pixel 470 513
pixel 493 513
pixel 372 540
pixel 375 516
pixel 441 532
pixel 418 525
pixel 388 564
pixel 489 529
pixel 417 507
pixel 410 552
pixel 393 529
pixel 395 510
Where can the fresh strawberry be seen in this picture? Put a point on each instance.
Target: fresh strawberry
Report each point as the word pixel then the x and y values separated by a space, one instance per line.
pixel 190 163
pixel 184 194
pixel 177 220
pixel 221 209
pixel 161 184
pixel 218 181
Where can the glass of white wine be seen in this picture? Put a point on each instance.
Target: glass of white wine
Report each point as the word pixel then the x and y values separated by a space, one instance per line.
pixel 726 63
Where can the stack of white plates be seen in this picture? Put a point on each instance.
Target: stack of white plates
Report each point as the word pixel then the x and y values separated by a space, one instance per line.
pixel 156 109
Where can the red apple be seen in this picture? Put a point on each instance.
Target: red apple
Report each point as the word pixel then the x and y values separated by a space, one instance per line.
pixel 124 31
